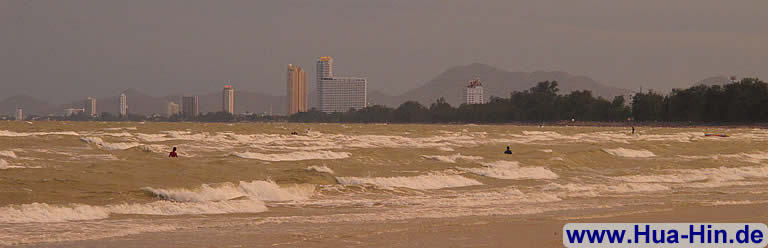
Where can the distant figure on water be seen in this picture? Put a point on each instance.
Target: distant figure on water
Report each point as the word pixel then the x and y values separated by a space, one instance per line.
pixel 508 151
pixel 633 130
pixel 173 153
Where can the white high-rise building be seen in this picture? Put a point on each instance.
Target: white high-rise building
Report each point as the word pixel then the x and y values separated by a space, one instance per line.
pixel 325 67
pixel 339 94
pixel 123 105
pixel 173 109
pixel 474 93
pixel 19 114
pixel 90 106
pixel 228 99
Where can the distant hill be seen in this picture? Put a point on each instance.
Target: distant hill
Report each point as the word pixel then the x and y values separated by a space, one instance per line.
pixel 30 105
pixel 496 82
pixel 716 80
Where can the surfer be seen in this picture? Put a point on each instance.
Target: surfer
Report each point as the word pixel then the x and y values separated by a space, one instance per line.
pixel 633 130
pixel 508 151
pixel 173 153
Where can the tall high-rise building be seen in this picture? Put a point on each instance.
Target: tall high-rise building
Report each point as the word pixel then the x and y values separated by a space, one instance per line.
pixel 339 94
pixel 90 106
pixel 474 93
pixel 228 99
pixel 297 90
pixel 19 114
pixel 325 67
pixel 173 109
pixel 189 106
pixel 123 105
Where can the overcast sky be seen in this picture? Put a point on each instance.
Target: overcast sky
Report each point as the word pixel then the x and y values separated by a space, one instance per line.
pixel 62 50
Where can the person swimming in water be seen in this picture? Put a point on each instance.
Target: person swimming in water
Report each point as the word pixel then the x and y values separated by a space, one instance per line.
pixel 173 153
pixel 508 151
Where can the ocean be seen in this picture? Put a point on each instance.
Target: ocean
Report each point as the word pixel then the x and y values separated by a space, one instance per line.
pixel 69 182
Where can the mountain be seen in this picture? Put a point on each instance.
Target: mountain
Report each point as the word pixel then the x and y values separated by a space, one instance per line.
pixel 30 105
pixel 716 80
pixel 496 82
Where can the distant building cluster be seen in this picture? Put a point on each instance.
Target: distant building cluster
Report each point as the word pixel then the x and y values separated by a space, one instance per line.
pixel 334 94
pixel 474 92
pixel 339 94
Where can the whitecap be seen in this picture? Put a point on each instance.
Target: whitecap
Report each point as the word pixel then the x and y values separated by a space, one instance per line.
pixel 322 169
pixel 451 158
pixel 413 182
pixel 629 153
pixel 511 170
pixel 293 156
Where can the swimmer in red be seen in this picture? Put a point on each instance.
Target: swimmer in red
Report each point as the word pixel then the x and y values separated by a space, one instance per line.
pixel 173 153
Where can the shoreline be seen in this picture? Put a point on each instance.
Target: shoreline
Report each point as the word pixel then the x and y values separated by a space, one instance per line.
pixel 470 231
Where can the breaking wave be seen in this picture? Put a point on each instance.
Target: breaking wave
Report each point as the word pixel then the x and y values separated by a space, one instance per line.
pixel 109 146
pixel 629 153
pixel 293 156
pixel 5 165
pixel 246 197
pixel 511 170
pixel 415 182
pixel 719 174
pixel 7 133
pixel 9 154
pixel 42 212
pixel 323 169
pixel 259 190
pixel 451 158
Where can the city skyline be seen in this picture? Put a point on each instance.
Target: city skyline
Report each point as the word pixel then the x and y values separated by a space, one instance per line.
pixel 653 44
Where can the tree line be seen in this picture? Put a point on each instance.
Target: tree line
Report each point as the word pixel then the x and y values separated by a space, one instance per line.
pixel 742 101
pixel 745 101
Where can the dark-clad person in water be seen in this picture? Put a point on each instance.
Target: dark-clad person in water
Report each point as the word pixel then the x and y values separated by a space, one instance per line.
pixel 173 153
pixel 508 151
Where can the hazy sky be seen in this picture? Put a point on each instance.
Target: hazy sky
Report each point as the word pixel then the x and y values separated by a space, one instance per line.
pixel 64 50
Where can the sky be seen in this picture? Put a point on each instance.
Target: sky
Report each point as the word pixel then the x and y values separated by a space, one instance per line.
pixel 67 50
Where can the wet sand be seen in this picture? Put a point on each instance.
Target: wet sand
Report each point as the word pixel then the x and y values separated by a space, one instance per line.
pixel 492 231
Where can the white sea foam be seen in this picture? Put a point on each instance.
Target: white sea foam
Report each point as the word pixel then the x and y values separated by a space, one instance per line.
pixel 323 169
pixel 9 154
pixel 629 153
pixel 5 165
pixel 260 190
pixel 42 212
pixel 7 133
pixel 511 170
pixel 546 150
pixel 718 174
pixel 414 182
pixel 185 208
pixel 451 158
pixel 591 190
pixel 109 146
pixel 293 156
pixel 445 148
pixel 207 199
